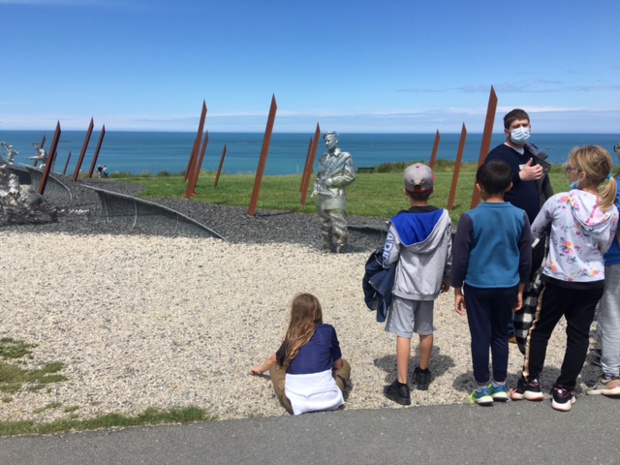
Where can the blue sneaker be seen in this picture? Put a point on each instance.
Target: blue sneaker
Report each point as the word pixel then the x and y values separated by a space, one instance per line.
pixel 499 393
pixel 481 398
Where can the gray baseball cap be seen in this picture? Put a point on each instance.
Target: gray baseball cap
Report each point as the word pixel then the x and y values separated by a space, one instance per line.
pixel 419 178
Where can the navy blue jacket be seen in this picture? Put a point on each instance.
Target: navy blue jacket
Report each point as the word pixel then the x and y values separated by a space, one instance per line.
pixel 377 284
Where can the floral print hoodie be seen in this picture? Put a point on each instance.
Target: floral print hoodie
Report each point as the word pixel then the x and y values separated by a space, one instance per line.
pixel 580 234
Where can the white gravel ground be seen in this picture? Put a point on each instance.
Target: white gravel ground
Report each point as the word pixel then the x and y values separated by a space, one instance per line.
pixel 171 322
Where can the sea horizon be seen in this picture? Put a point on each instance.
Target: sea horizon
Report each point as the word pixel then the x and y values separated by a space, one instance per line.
pixel 138 152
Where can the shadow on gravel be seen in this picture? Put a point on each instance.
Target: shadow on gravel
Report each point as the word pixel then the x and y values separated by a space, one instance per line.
pixel 440 364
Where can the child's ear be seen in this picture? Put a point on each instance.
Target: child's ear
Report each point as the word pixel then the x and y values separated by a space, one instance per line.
pixel 510 187
pixel 479 187
pixel 406 193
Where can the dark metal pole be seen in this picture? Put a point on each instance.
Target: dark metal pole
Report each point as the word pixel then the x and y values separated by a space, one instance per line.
pixel 193 180
pixel 435 148
pixel 50 159
pixel 306 163
pixel 486 140
pixel 194 155
pixel 92 165
pixel 315 145
pixel 263 157
pixel 66 164
pixel 219 168
pixel 83 152
pixel 457 168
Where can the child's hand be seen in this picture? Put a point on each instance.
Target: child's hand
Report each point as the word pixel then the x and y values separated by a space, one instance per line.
pixel 459 302
pixel 257 370
pixel 519 305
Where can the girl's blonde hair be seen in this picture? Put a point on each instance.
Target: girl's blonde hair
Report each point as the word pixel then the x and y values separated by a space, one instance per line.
pixel 306 314
pixel 596 164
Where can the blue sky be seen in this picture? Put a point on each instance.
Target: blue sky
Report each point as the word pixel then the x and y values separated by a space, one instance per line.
pixel 350 65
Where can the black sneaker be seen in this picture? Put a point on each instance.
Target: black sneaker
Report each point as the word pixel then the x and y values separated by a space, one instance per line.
pixel 528 390
pixel 562 399
pixel 397 392
pixel 421 378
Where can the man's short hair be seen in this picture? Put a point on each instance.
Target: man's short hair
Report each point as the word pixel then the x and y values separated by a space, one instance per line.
pixel 513 116
pixel 494 177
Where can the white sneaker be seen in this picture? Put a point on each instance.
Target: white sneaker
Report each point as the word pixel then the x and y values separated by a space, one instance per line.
pixel 607 387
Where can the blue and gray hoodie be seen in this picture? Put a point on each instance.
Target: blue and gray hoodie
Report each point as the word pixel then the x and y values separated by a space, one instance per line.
pixel 421 241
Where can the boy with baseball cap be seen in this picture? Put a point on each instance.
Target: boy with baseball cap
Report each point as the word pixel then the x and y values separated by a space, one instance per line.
pixel 419 240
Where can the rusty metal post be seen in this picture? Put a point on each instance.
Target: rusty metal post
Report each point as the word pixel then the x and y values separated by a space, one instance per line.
pixel 92 165
pixel 193 180
pixel 50 159
pixel 194 155
pixel 66 164
pixel 435 148
pixel 457 168
pixel 315 144
pixel 83 152
pixel 219 168
pixel 305 173
pixel 263 156
pixel 486 140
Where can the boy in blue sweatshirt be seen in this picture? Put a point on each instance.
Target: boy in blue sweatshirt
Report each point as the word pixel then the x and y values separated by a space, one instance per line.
pixel 419 242
pixel 491 261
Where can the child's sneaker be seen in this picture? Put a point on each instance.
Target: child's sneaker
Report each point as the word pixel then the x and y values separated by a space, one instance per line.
pixel 608 387
pixel 421 378
pixel 528 390
pixel 397 392
pixel 498 393
pixel 481 398
pixel 562 399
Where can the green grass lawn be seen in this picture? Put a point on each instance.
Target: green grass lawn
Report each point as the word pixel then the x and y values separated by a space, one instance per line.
pixel 372 194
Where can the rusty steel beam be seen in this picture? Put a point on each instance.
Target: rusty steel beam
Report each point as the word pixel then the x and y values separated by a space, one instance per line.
pixel 315 145
pixel 305 173
pixel 92 165
pixel 194 155
pixel 486 140
pixel 263 156
pixel 50 159
pixel 219 168
pixel 97 151
pixel 193 180
pixel 435 148
pixel 66 164
pixel 84 147
pixel 457 168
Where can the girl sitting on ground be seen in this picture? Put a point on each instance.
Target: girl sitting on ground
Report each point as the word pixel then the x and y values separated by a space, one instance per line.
pixel 308 372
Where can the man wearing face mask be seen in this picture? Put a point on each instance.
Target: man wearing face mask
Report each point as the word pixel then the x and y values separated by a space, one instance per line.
pixel 531 185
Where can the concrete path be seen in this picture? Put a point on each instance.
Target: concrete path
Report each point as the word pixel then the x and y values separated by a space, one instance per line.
pixel 512 433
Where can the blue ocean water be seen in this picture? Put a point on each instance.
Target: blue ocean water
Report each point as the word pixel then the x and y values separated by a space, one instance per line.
pixel 153 152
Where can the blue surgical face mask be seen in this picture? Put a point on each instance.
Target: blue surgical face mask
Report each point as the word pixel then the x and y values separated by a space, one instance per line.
pixel 520 136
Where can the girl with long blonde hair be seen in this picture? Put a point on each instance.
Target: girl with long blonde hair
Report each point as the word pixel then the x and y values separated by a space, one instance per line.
pixel 583 224
pixel 307 371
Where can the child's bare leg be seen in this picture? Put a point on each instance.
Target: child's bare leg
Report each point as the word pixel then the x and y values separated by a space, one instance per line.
pixel 403 351
pixel 426 348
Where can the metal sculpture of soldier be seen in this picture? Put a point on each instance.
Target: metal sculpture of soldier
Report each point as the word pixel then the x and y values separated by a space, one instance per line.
pixel 336 171
pixel 10 152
